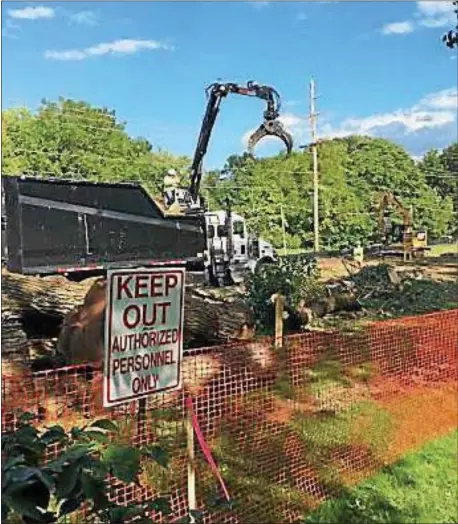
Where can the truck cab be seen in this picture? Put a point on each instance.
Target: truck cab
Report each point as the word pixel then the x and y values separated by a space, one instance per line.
pixel 230 244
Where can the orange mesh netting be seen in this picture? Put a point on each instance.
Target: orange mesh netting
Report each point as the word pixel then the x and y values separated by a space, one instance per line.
pixel 287 427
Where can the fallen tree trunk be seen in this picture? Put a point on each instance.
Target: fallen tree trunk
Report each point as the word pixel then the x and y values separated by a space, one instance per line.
pixel 52 307
pixel 52 297
pixel 321 307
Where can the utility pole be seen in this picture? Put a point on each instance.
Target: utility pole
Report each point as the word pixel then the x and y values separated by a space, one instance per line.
pixel 283 228
pixel 313 115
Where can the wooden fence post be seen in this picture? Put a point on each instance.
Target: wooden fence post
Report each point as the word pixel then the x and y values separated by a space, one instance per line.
pixel 279 301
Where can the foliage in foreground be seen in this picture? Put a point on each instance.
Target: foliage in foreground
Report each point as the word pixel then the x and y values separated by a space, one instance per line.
pixel 421 488
pixel 37 491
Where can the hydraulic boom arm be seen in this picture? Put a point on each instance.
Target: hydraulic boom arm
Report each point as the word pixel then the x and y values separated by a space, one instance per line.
pixel 386 199
pixel 271 125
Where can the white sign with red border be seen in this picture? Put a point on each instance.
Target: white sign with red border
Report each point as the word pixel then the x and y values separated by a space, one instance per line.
pixel 143 333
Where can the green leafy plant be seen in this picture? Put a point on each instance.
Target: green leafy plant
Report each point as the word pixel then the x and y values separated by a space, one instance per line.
pixel 295 277
pixel 39 491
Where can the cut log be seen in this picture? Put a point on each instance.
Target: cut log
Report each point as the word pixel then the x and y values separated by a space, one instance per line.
pixel 207 320
pixel 51 297
pixel 45 308
pixel 14 339
pixel 324 306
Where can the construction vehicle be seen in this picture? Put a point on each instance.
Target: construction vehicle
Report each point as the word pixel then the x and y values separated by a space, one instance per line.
pixel 271 126
pixel 81 228
pixel 414 243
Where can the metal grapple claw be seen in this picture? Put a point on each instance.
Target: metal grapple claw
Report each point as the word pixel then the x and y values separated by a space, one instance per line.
pixel 270 128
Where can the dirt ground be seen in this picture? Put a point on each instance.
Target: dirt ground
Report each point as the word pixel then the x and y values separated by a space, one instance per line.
pixel 420 416
pixel 435 268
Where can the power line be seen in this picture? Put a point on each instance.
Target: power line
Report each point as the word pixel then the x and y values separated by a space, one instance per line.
pixel 81 177
pixel 316 221
pixel 143 155
pixel 144 178
pixel 119 127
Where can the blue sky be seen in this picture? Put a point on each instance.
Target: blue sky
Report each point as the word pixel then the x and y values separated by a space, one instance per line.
pixel 380 67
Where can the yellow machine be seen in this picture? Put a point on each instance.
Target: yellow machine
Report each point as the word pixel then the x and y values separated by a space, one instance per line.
pixel 414 243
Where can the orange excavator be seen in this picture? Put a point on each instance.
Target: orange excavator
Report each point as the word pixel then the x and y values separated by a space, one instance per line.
pixel 414 243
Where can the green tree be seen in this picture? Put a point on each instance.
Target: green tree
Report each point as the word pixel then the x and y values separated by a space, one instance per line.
pixel 433 213
pixel 352 171
pixel 273 195
pixel 376 164
pixel 343 201
pixel 441 171
pixel 75 140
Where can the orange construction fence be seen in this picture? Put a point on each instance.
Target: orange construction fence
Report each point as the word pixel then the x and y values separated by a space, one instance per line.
pixel 287 426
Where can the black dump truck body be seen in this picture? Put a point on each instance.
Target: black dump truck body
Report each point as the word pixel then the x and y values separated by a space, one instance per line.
pixel 59 226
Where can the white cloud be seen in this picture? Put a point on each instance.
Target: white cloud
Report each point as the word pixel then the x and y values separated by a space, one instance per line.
pixel 398 28
pixel 290 103
pixel 438 13
pixel 445 99
pixel 32 13
pixel 84 17
pixel 10 30
pixel 119 47
pixel 260 5
pixel 436 8
pixel 434 22
pixel 291 121
pixel 431 122
pixel 411 120
pixel 433 111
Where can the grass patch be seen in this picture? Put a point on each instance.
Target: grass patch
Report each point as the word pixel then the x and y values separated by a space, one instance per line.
pixel 292 251
pixel 364 423
pixel 265 471
pixel 441 249
pixel 421 488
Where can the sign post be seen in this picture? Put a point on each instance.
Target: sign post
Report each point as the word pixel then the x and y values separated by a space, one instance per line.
pixel 143 333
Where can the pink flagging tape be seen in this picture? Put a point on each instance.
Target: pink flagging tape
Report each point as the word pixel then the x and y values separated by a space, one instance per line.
pixel 204 447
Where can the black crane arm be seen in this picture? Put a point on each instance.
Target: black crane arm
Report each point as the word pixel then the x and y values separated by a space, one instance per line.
pixel 271 125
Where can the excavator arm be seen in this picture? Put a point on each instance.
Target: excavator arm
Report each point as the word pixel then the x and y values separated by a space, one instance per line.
pixel 271 126
pixel 386 199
